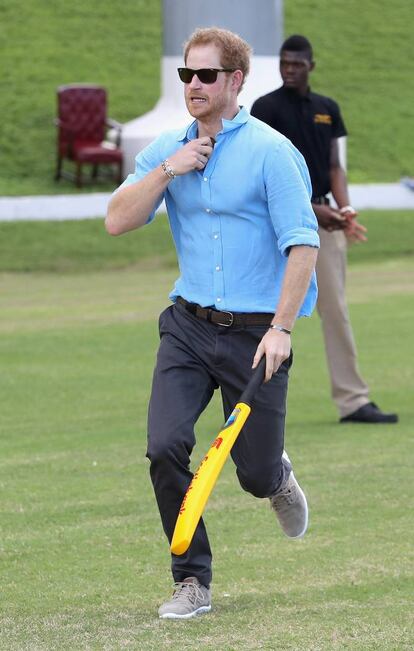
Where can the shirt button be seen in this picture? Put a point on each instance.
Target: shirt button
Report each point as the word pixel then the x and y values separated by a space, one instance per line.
pixel 208 210
pixel 215 236
pixel 217 268
pixel 219 300
pixel 205 178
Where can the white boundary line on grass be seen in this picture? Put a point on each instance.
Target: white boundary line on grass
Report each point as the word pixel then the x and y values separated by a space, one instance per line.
pixel 387 196
pixel 56 207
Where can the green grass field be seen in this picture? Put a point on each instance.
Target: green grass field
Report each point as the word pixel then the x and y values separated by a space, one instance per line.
pixel 84 563
pixel 363 54
pixel 80 246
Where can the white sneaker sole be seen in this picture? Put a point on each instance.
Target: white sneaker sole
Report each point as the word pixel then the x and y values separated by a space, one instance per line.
pixel 285 456
pixel 302 533
pixel 195 613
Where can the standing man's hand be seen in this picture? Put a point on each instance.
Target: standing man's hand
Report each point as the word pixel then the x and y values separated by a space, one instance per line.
pixel 354 231
pixel 329 218
pixel 193 156
pixel 276 346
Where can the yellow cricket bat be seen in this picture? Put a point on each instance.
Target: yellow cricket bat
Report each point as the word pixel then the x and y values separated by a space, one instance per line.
pixel 210 467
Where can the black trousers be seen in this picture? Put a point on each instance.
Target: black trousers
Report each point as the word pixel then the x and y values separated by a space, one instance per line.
pixel 196 357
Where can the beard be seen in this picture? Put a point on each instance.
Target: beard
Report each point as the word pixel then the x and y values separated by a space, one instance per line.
pixel 208 107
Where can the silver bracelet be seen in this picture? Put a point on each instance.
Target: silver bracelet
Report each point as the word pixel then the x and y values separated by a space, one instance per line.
pixel 168 169
pixel 280 328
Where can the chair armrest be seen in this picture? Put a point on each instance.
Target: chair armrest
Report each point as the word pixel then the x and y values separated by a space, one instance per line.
pixel 114 124
pixel 117 127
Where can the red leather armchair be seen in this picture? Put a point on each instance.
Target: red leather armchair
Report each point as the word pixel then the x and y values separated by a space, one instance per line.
pixel 82 124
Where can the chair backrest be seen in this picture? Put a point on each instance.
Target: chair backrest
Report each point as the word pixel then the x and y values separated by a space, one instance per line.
pixel 82 114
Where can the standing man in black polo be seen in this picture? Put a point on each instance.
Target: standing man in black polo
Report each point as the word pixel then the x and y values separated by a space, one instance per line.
pixel 313 123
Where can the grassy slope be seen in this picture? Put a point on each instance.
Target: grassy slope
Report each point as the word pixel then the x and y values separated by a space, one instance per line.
pixel 84 561
pixel 363 54
pixel 362 49
pixel 49 44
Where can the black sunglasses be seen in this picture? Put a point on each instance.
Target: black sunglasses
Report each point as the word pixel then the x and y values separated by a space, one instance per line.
pixel 205 75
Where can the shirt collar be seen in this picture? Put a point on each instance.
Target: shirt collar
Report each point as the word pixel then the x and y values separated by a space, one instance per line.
pixel 190 132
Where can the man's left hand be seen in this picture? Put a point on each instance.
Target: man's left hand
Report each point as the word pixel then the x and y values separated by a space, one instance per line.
pixel 276 346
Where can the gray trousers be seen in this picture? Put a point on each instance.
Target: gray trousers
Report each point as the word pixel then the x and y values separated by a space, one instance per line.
pixel 349 390
pixel 196 357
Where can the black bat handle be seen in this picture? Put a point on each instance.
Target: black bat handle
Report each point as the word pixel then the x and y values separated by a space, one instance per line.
pixel 254 383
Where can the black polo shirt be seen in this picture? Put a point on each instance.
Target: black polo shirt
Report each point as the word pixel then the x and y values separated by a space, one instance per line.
pixel 310 122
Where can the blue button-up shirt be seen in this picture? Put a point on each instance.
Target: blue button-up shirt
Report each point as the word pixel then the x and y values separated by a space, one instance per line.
pixel 234 222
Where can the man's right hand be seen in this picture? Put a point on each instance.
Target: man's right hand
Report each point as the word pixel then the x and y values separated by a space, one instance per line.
pixel 329 218
pixel 193 156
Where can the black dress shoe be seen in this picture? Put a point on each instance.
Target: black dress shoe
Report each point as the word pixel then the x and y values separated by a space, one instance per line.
pixel 369 413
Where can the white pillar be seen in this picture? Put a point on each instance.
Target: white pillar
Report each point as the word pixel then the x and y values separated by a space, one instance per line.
pixel 260 23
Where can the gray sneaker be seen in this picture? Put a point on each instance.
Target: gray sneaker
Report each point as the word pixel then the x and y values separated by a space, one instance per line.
pixel 291 507
pixel 189 599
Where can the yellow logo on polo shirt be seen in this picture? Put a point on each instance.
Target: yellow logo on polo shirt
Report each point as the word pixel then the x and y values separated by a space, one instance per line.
pixel 322 118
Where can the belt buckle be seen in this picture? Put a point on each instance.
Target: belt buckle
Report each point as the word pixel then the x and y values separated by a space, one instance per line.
pixel 226 325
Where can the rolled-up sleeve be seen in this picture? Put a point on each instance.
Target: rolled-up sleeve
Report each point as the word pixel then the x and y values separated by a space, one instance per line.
pixel 289 190
pixel 297 237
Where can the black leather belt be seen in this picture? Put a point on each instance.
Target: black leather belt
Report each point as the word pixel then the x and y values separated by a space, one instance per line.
pixel 323 201
pixel 226 319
